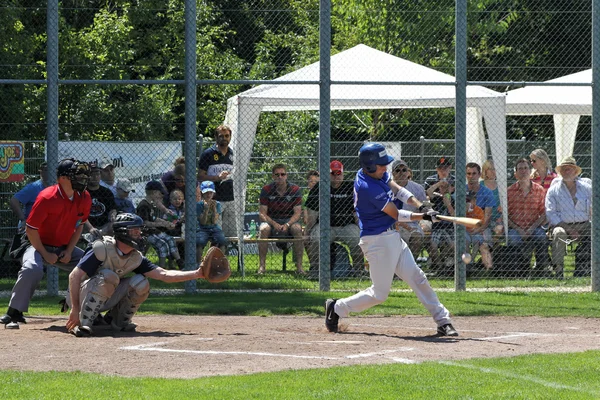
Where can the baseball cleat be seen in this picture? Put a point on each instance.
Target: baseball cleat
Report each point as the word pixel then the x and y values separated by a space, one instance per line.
pixel 331 318
pixel 447 330
pixel 82 331
pixel 129 327
pixel 12 325
pixel 5 319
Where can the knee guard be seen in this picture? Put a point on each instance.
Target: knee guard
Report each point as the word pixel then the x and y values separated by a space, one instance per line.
pixel 123 312
pixel 95 292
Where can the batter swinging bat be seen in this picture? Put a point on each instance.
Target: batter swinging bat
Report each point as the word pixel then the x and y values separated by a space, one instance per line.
pixel 467 222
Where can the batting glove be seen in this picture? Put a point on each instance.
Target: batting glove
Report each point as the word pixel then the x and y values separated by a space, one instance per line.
pixel 430 215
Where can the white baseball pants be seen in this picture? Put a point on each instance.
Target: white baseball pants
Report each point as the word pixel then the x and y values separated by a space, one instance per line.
pixel 387 255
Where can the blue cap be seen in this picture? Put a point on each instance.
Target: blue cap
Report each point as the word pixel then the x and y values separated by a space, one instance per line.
pixel 207 186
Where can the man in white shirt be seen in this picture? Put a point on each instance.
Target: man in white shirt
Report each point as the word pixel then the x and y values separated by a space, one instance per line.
pixel 411 232
pixel 569 209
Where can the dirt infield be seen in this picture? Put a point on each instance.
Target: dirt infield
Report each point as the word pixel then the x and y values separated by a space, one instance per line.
pixel 190 347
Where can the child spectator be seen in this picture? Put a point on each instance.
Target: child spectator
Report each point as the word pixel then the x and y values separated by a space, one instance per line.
pixel 209 213
pixel 176 200
pixel 122 200
pixel 163 243
pixel 476 241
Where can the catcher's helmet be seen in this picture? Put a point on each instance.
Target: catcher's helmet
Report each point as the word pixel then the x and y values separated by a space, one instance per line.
pixel 122 224
pixel 77 171
pixel 371 155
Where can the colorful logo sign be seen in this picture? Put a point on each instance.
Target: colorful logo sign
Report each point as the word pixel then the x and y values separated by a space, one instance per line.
pixel 12 161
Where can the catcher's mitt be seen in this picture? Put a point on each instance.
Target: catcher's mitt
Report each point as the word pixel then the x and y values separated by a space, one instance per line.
pixel 215 266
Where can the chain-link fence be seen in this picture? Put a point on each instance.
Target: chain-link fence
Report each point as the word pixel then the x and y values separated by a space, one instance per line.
pixel 113 79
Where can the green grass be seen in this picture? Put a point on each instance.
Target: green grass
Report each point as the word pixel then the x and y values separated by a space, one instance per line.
pixel 545 304
pixel 562 376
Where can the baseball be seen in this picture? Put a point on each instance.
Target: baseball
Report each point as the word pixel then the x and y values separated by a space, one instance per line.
pixel 466 257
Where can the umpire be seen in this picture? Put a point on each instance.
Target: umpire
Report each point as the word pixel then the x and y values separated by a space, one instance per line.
pixel 52 231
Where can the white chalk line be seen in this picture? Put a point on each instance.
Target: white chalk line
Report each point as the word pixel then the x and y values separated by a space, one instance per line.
pixel 330 342
pixel 379 353
pixel 154 347
pixel 527 378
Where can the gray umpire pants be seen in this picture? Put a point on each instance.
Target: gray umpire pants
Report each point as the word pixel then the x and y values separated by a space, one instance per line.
pixel 32 272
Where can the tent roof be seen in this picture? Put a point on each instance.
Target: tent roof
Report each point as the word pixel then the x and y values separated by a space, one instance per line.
pixel 545 100
pixel 363 63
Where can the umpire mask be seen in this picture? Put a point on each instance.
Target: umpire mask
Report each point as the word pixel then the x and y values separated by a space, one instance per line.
pixel 77 171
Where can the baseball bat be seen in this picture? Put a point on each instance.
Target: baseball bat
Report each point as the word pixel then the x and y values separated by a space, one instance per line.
pixel 467 222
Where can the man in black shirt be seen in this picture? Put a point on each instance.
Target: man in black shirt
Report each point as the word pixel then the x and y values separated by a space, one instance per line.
pixel 104 208
pixel 216 165
pixel 344 226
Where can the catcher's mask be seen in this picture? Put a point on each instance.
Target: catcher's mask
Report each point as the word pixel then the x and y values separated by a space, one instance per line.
pixel 77 171
pixel 129 229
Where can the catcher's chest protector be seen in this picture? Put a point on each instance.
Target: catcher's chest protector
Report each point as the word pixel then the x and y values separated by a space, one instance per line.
pixel 105 250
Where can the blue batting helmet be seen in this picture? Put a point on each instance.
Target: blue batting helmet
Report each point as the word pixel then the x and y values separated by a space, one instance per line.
pixel 371 155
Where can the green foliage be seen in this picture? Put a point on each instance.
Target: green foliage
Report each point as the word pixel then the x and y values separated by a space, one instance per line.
pixel 264 39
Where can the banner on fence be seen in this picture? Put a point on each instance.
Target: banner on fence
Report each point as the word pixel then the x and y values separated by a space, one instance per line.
pixel 12 166
pixel 138 162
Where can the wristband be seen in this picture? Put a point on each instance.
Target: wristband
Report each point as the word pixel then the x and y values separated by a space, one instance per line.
pixel 404 215
pixel 447 195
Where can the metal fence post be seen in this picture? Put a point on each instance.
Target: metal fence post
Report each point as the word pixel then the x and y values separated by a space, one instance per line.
pixel 595 146
pixel 190 139
pixel 52 115
pixel 460 273
pixel 324 140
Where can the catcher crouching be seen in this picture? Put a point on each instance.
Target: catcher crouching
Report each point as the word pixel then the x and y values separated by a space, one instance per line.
pixel 98 283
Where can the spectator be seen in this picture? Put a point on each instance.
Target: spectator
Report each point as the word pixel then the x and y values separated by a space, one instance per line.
pixel 151 214
pixel 488 172
pixel 279 213
pixel 569 209
pixel 527 214
pixel 343 222
pixel 411 232
pixel 475 242
pixel 174 179
pixel 107 175
pixel 542 173
pixel 122 200
pixel 312 178
pixel 216 165
pixel 485 200
pixel 439 189
pixel 176 206
pixel 53 229
pixel 27 195
pixel 104 208
pixel 208 213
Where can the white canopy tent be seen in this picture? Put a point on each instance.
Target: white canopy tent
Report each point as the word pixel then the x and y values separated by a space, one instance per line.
pixel 362 63
pixel 565 103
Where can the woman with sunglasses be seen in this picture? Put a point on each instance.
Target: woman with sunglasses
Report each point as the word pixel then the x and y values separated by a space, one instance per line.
pixel 542 172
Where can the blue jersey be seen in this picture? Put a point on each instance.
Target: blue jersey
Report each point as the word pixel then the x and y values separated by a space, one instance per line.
pixel 28 194
pixel 485 197
pixel 370 198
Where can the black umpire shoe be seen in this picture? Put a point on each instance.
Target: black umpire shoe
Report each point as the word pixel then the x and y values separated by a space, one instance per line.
pixel 331 318
pixel 447 330
pixel 13 315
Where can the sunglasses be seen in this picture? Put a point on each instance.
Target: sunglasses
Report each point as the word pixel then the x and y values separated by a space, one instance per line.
pixel 280 174
pixel 532 161
pixel 336 173
pixel 397 170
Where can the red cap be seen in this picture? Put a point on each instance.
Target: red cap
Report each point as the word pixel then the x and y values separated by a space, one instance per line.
pixel 336 166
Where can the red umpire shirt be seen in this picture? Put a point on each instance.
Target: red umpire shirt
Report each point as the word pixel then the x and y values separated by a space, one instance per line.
pixel 55 217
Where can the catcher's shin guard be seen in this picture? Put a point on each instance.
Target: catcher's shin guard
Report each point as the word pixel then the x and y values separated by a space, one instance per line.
pixel 123 312
pixel 95 292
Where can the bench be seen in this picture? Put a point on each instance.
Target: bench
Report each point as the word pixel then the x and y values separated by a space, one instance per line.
pixel 285 249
